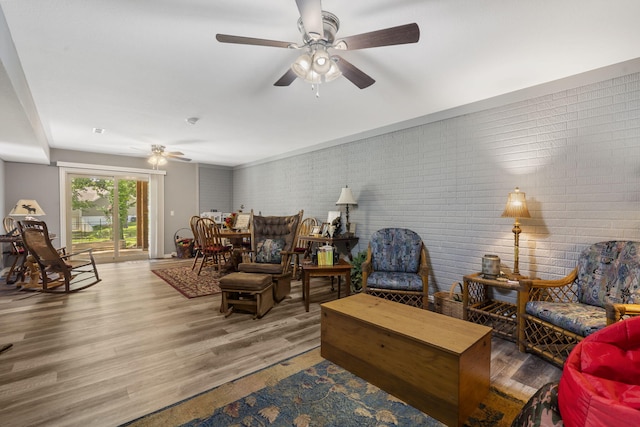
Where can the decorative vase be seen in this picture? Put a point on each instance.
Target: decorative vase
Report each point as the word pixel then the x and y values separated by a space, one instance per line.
pixel 490 266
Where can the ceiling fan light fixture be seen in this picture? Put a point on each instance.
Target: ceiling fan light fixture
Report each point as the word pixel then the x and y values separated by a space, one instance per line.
pixel 321 61
pixel 333 73
pixel 302 65
pixel 157 160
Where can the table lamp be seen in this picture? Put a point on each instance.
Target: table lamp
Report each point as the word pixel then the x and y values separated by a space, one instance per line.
pixel 516 208
pixel 27 208
pixel 346 199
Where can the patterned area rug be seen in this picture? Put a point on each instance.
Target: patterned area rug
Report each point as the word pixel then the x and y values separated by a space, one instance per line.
pixel 308 390
pixel 188 283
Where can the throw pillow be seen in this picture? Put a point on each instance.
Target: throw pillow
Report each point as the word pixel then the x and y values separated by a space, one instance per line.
pixel 269 251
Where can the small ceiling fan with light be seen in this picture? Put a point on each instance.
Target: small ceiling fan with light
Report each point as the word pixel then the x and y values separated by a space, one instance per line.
pixel 159 156
pixel 318 63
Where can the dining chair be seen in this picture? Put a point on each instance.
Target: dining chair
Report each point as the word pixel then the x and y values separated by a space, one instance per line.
pixel 193 221
pixel 214 251
pixel 302 246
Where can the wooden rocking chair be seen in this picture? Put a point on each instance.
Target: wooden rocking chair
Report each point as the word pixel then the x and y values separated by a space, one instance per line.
pixel 60 272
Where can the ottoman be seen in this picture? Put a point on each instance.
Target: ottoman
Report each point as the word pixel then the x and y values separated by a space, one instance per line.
pixel 246 292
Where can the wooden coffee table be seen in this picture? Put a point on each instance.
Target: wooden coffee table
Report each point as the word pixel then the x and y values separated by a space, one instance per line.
pixel 342 268
pixel 435 363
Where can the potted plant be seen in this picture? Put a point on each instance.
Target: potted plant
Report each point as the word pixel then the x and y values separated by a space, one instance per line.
pixel 356 271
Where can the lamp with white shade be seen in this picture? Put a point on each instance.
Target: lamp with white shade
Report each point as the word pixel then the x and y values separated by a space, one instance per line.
pixel 346 199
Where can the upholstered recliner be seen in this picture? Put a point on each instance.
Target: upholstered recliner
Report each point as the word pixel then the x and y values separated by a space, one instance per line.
pixel 272 242
pixel 602 289
pixel 396 267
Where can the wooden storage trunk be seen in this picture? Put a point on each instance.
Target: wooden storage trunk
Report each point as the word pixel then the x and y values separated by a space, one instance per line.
pixel 437 364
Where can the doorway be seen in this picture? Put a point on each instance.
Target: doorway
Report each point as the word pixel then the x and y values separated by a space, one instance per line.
pixel 110 214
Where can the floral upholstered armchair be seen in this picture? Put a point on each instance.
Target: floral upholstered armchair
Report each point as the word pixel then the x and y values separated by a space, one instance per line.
pixel 558 314
pixel 396 267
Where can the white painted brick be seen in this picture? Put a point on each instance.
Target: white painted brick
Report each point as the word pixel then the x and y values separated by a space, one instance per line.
pixel 575 153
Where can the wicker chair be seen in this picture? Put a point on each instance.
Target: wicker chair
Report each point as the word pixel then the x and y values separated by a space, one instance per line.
pixel 396 267
pixel 272 242
pixel 73 271
pixel 557 314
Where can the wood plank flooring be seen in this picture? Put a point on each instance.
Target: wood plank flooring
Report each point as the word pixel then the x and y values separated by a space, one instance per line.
pixel 132 344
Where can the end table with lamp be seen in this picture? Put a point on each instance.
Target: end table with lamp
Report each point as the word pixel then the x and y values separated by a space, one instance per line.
pixel 346 199
pixel 478 304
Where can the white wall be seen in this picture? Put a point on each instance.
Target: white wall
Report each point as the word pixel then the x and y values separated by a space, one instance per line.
pixel 574 152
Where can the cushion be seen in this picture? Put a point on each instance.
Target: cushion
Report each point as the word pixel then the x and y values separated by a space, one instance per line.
pixel 600 383
pixel 277 227
pixel 395 281
pixel 263 268
pixel 269 251
pixel 245 281
pixel 609 272
pixel 396 250
pixel 581 319
pixel 541 410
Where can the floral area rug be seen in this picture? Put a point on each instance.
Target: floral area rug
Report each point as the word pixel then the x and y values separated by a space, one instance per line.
pixel 188 283
pixel 308 390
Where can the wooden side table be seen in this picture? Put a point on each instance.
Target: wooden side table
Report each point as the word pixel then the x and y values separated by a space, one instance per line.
pixel 342 268
pixel 479 308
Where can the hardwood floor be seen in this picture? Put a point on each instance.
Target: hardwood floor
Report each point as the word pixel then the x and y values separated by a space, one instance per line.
pixel 132 344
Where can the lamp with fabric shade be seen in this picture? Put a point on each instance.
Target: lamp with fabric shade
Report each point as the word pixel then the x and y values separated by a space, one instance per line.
pixel 27 208
pixel 346 198
pixel 516 208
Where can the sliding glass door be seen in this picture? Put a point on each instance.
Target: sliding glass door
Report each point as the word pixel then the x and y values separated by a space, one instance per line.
pixel 109 214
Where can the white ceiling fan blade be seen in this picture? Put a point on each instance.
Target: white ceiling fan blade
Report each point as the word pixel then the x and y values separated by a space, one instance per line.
pixel 311 15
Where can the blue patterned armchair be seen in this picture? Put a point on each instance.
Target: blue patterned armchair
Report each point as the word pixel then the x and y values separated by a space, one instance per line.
pixel 604 288
pixel 396 267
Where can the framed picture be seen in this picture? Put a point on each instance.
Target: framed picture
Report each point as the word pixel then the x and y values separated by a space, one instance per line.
pixel 324 229
pixel 332 215
pixel 316 230
pixel 242 221
pixel 352 228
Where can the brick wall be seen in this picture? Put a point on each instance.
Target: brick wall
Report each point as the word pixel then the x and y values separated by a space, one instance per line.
pixel 575 153
pixel 215 189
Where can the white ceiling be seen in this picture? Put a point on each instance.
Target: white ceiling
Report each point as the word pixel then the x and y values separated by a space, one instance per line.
pixel 139 68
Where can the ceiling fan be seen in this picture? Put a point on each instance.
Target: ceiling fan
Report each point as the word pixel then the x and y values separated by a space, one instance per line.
pixel 159 156
pixel 318 29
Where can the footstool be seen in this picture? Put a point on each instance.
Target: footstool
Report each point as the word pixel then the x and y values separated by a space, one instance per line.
pixel 246 292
